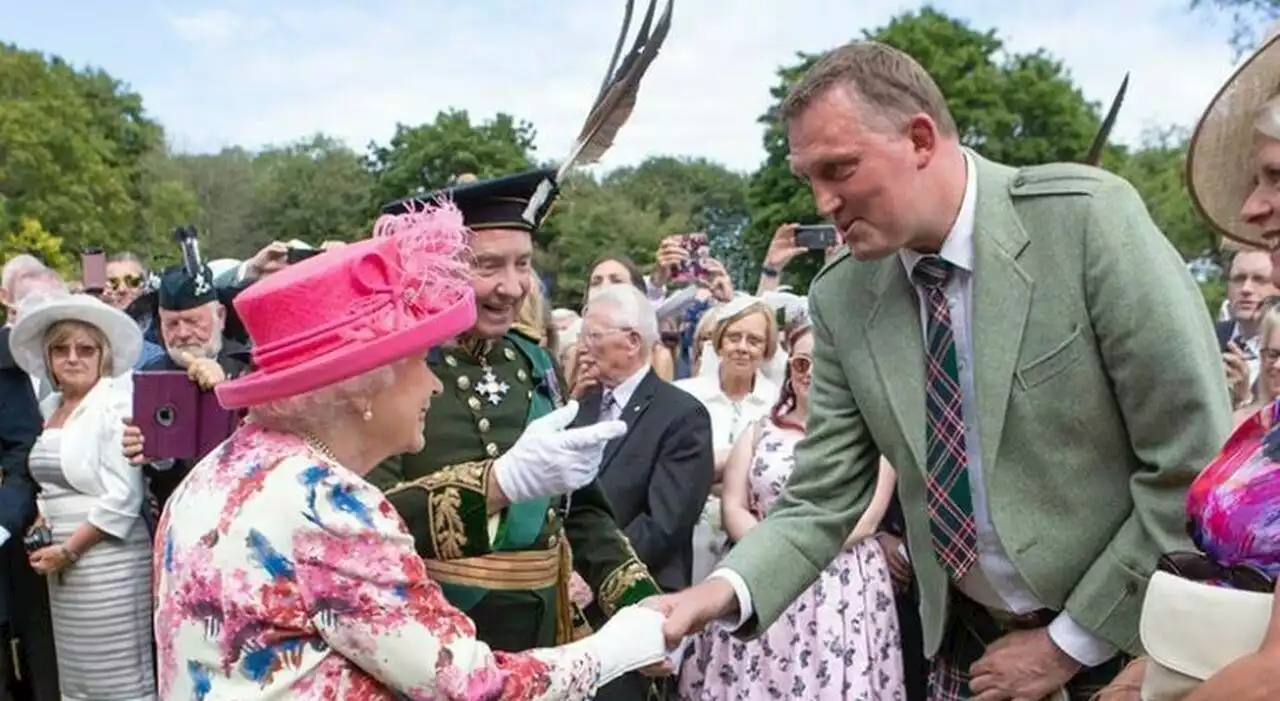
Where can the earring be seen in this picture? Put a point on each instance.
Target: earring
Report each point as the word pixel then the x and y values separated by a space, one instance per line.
pixel 368 414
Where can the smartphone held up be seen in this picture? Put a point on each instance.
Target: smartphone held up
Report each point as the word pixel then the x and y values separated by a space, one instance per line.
pixel 816 237
pixel 93 270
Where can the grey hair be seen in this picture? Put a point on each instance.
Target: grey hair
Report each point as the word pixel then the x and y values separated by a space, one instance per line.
pixel 128 257
pixel 19 267
pixel 304 413
pixel 628 308
pixel 45 281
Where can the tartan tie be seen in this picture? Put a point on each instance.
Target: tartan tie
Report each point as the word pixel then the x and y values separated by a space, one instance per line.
pixel 948 499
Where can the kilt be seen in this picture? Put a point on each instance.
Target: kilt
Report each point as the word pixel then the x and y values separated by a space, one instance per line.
pixel 971 627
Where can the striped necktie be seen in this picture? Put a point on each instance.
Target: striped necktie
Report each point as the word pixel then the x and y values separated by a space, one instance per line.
pixel 948 498
pixel 608 406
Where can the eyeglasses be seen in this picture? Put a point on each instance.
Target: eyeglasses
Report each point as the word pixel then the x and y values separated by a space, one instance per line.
pixel 801 364
pixel 1198 567
pixel 130 281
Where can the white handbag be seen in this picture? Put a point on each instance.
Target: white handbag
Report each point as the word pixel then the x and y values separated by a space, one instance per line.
pixel 1192 630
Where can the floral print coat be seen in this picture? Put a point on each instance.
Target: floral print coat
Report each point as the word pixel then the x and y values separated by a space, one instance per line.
pixel 282 575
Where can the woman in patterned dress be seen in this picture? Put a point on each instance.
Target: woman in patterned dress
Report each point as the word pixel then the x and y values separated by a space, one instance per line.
pixel 280 572
pixel 839 640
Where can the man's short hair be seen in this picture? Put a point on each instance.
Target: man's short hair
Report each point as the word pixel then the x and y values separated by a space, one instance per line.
pixel 894 86
pixel 628 308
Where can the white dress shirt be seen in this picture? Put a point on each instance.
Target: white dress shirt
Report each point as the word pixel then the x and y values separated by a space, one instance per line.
pixel 995 582
pixel 622 394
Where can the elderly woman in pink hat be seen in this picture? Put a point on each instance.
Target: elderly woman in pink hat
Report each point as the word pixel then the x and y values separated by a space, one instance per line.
pixel 280 572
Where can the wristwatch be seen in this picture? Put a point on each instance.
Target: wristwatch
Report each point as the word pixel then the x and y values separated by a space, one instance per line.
pixel 768 271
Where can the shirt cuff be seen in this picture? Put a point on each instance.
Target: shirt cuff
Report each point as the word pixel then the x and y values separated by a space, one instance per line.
pixel 1080 644
pixel 745 611
pixel 4 536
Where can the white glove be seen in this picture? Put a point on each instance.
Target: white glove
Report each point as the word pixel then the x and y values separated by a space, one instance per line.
pixel 630 640
pixel 549 460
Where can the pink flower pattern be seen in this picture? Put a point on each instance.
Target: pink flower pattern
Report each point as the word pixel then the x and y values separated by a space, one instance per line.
pixel 280 574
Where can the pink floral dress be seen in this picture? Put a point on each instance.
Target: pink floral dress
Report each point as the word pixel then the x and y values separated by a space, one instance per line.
pixel 838 641
pixel 282 575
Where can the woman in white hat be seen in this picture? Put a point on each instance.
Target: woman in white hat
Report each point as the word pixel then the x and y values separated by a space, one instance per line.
pixel 92 544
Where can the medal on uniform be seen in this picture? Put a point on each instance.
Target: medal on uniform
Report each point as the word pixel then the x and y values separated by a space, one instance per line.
pixel 490 388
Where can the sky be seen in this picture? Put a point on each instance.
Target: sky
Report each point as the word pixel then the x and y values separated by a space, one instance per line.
pixel 220 73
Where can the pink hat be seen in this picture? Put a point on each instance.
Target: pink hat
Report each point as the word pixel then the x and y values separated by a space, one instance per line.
pixel 356 308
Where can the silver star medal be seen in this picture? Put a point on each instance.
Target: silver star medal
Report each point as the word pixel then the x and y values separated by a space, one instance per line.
pixel 490 388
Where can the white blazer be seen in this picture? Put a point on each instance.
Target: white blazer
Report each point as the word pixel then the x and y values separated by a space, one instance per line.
pixel 93 458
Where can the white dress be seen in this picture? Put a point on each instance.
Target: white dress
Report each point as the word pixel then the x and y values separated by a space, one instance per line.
pixel 101 605
pixel 728 419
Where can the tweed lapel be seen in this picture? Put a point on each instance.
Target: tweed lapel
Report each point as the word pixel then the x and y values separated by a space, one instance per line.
pixel 892 330
pixel 1001 300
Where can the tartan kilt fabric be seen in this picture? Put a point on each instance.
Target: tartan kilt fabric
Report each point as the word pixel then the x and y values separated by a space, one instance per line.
pixel 971 628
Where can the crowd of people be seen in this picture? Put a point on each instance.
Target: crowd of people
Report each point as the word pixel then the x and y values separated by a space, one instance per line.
pixel 991 455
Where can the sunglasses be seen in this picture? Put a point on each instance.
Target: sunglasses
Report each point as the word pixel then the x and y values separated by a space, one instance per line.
pixel 1198 567
pixel 130 281
pixel 801 365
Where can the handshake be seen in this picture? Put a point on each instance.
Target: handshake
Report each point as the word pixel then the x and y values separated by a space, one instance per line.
pixel 651 636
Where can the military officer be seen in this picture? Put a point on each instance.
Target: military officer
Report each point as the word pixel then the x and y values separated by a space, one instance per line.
pixel 506 565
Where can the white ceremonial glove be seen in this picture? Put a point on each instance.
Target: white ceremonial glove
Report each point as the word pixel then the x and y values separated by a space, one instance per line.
pixel 630 640
pixel 549 459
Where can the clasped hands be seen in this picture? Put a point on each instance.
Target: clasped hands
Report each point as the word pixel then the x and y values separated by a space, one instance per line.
pixel 1021 666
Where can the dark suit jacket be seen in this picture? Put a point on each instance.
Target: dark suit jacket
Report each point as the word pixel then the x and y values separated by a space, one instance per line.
pixel 24 605
pixel 658 475
pixel 657 478
pixel 20 425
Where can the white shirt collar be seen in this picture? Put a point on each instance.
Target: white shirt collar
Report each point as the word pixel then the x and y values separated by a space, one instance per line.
pixel 625 389
pixel 957 248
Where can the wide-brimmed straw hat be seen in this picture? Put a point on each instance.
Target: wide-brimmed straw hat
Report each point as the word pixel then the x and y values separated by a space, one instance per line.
pixel 39 314
pixel 356 308
pixel 1220 165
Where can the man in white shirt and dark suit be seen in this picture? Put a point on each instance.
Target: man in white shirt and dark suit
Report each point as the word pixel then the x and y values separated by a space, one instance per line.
pixel 1030 353
pixel 657 476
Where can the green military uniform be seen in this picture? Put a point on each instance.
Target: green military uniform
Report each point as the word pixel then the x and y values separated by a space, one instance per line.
pixel 509 572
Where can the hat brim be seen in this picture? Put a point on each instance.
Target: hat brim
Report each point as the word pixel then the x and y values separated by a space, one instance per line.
pixel 1220 157
pixel 259 387
pixel 26 340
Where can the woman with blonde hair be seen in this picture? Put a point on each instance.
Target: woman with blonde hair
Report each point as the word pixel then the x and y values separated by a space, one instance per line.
pixel 91 541
pixel 744 337
pixel 281 572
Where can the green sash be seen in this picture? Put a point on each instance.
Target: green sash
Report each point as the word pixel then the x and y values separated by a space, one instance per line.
pixel 523 522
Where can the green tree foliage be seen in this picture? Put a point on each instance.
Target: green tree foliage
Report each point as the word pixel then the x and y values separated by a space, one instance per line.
pixel 429 156
pixel 1157 171
pixel 223 186
pixel 75 154
pixel 693 194
pixel 32 238
pixel 1014 108
pixel 315 190
pixel 82 164
pixel 592 220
